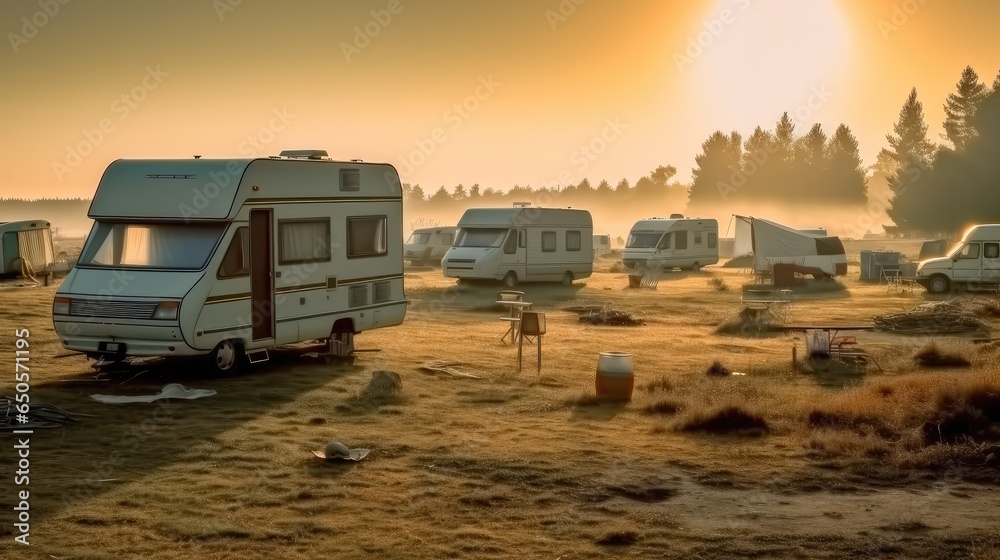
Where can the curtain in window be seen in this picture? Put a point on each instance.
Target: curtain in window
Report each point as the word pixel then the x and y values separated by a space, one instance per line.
pixel 304 241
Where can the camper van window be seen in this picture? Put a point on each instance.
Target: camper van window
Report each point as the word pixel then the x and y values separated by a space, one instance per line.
pixel 237 260
pixel 174 246
pixel 447 239
pixel 366 236
pixel 642 240
pixel 572 240
pixel 522 238
pixel 697 238
pixel 302 241
pixel 480 237
pixel 510 246
pixel 991 250
pixel 713 240
pixel 681 240
pixel 970 251
pixel 548 241
pixel 665 241
pixel 419 239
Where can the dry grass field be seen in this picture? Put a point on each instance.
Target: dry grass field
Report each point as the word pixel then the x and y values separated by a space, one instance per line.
pixel 483 462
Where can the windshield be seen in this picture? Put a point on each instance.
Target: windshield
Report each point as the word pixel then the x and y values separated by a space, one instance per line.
pixel 175 246
pixel 643 240
pixel 480 237
pixel 419 239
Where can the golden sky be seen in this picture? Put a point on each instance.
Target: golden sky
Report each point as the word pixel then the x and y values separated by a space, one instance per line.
pixel 453 91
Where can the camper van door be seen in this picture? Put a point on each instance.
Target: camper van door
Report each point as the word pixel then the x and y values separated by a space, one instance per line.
pixel 515 253
pixel 991 262
pixel 968 263
pixel 261 280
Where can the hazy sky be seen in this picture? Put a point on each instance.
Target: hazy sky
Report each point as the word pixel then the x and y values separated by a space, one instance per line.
pixel 499 93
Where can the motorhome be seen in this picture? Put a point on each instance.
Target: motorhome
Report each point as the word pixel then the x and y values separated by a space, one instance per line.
pixel 602 244
pixel 25 247
pixel 428 245
pixel 522 244
pixel 227 258
pixel 972 262
pixel 685 243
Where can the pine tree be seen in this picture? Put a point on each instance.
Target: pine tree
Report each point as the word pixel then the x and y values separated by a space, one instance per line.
pixel 996 84
pixel 460 193
pixel 846 175
pixel 718 163
pixel 960 108
pixel 623 187
pixel 909 145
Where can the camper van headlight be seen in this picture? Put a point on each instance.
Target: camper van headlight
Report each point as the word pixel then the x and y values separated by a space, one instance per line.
pixel 166 311
pixel 60 306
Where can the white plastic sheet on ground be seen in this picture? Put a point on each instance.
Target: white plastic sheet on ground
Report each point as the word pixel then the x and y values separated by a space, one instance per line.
pixel 171 391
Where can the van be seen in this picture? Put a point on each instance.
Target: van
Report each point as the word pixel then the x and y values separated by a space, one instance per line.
pixel 675 242
pixel 975 260
pixel 522 244
pixel 25 247
pixel 428 245
pixel 227 258
pixel 602 244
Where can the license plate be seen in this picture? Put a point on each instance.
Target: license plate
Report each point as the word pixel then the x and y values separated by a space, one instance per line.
pixel 117 347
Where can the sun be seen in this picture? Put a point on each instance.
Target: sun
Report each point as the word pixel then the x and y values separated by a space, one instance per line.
pixel 760 58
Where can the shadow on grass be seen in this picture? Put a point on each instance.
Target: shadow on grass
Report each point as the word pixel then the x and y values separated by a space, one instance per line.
pixel 592 407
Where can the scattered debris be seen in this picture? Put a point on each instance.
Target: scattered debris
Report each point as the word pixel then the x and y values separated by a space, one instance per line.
pixel 750 321
pixel 169 391
pixel 39 415
pixel 945 317
pixel 336 451
pixel 450 368
pixel 384 384
pixel 609 316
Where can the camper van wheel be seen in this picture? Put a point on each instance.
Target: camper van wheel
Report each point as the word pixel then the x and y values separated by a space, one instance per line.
pixel 226 357
pixel 695 267
pixel 510 280
pixel 938 284
pixel 567 279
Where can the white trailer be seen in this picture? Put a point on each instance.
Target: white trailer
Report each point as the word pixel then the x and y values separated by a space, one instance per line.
pixel 227 258
pixel 428 245
pixel 685 243
pixel 974 262
pixel 602 244
pixel 522 244
pixel 25 247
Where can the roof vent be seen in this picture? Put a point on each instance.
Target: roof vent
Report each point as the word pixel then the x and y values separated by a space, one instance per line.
pixel 522 204
pixel 677 216
pixel 304 154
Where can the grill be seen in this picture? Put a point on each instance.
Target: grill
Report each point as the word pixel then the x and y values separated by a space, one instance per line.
pixel 113 309
pixel 358 296
pixel 383 292
pixel 470 261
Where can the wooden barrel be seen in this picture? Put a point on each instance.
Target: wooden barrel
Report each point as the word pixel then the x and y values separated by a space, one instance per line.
pixel 615 379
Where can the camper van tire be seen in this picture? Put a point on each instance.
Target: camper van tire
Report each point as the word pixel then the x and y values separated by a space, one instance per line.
pixel 510 280
pixel 227 356
pixel 938 284
pixel 695 267
pixel 567 279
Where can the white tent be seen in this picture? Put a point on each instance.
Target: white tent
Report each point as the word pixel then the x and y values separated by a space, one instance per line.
pixel 770 243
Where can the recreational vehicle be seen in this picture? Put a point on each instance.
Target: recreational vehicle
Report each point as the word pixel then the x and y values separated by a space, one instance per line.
pixel 428 245
pixel 226 258
pixel 25 247
pixel 770 243
pixel 975 260
pixel 522 244
pixel 687 243
pixel 602 244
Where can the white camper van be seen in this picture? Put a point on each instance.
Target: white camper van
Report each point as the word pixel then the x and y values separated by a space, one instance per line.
pixel 602 244
pixel 25 247
pixel 428 245
pixel 687 243
pixel 229 257
pixel 975 260
pixel 522 244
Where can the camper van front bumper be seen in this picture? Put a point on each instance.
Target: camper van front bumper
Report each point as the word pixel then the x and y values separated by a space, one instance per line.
pixel 131 340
